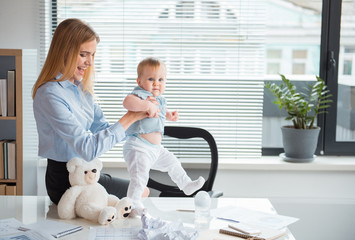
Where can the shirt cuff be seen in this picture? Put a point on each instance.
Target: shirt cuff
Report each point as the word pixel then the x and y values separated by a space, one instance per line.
pixel 118 130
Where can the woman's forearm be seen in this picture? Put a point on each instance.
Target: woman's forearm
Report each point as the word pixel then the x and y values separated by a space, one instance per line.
pixel 134 103
pixel 130 117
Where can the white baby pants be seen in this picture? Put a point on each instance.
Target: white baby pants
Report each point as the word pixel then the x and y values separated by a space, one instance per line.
pixel 142 156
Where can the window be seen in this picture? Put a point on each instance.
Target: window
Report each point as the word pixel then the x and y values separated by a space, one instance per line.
pixel 218 54
pixel 185 9
pixel 299 58
pixel 341 138
pixel 293 38
pixel 273 57
pixel 210 9
pixel 347 67
pixel 214 52
pixel 348 57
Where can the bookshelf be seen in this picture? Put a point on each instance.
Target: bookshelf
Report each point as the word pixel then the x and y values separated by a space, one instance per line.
pixel 21 127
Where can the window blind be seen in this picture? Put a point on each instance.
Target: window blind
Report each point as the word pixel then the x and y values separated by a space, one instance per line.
pixel 214 52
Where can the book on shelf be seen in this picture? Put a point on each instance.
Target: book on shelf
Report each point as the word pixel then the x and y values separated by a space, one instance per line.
pixel 7 189
pixel 10 190
pixel 2 166
pixel 11 93
pixel 3 97
pixel 4 149
pixel 7 159
pixel 11 159
pixel 2 189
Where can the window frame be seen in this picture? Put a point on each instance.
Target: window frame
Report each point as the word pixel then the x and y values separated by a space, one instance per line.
pixel 330 46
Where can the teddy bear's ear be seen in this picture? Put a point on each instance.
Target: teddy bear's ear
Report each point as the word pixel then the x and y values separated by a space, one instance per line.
pixel 98 163
pixel 71 165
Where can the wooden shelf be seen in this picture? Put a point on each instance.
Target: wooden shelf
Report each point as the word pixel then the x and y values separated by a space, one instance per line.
pixel 8 181
pixel 25 65
pixel 7 118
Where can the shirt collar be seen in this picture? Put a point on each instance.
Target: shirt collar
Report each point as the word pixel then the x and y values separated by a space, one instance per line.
pixel 66 83
pixel 149 93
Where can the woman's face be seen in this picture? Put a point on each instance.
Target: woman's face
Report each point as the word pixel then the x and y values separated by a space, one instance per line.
pixel 85 59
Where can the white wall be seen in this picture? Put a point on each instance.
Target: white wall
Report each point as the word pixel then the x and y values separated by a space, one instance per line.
pixel 19 29
pixel 19 24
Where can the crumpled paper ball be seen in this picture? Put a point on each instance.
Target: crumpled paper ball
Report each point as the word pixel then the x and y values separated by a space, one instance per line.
pixel 157 229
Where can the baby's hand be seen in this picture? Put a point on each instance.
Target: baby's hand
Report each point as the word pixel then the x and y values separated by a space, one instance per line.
pixel 172 116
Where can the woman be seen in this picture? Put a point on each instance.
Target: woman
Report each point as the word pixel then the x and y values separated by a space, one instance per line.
pixel 69 121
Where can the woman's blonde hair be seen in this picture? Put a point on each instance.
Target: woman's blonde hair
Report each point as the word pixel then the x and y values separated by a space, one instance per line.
pixel 63 54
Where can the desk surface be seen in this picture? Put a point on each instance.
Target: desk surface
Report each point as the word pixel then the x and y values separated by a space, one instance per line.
pixel 30 209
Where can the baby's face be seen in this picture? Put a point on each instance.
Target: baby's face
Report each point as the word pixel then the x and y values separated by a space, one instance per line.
pixel 153 80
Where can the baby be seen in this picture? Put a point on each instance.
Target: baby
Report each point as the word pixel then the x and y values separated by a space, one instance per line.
pixel 143 150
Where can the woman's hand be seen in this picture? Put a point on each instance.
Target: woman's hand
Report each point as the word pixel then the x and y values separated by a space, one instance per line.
pixel 153 110
pixel 130 117
pixel 152 100
pixel 136 111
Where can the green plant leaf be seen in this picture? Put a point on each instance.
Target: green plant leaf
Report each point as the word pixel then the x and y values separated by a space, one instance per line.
pixel 302 106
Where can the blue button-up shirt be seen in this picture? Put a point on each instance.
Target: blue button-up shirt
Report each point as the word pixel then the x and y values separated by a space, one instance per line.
pixel 148 125
pixel 71 124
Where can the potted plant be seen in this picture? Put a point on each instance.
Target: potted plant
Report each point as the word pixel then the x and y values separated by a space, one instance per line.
pixel 300 139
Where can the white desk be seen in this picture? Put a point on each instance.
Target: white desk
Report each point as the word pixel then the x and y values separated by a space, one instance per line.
pixel 30 209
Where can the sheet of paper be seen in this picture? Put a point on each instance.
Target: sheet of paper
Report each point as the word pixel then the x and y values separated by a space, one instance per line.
pixel 54 228
pixel 9 226
pixel 9 231
pixel 28 235
pixel 107 233
pixel 245 215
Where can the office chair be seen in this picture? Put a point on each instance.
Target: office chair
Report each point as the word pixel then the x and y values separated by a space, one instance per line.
pixel 187 133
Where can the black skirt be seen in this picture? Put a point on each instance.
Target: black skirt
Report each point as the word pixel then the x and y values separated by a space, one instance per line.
pixel 57 181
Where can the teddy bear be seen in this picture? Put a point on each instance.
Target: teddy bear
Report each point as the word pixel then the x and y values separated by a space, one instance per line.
pixel 87 198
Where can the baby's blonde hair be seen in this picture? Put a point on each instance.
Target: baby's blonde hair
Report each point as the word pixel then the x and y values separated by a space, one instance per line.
pixel 150 62
pixel 63 54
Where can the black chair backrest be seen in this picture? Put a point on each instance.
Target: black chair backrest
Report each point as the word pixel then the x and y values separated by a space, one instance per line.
pixel 186 133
